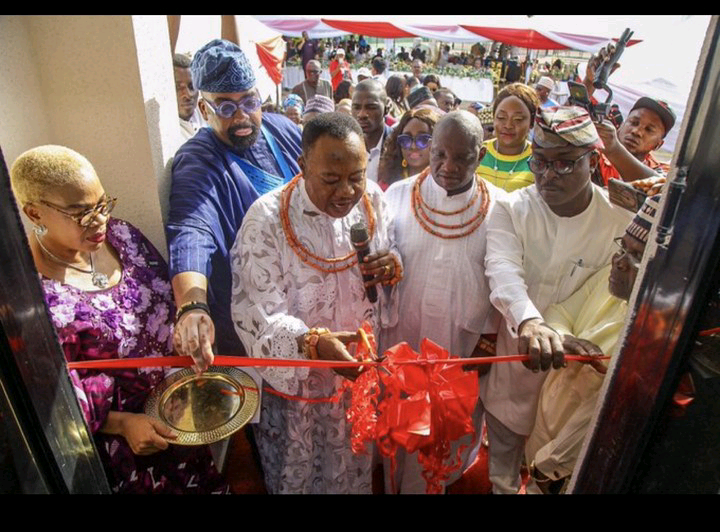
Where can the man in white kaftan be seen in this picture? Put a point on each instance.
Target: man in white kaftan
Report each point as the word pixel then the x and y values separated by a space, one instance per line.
pixel 543 243
pixel 277 297
pixel 444 295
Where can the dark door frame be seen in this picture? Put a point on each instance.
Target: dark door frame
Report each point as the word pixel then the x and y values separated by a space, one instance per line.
pixel 670 298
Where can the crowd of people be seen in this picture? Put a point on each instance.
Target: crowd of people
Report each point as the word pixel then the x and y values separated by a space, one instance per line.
pixel 490 234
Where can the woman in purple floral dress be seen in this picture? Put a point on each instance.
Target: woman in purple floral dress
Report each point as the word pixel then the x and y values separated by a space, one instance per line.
pixel 107 290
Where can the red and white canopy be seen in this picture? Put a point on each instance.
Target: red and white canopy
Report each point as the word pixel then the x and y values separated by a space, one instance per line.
pixel 525 38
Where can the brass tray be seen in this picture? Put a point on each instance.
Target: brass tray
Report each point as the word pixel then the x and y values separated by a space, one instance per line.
pixel 205 408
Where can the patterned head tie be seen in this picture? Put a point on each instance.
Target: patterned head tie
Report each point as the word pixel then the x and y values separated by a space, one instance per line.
pixel 293 100
pixel 641 224
pixel 557 127
pixel 221 66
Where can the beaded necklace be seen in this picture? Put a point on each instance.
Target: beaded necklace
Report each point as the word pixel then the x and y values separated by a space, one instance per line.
pixel 335 264
pixel 425 221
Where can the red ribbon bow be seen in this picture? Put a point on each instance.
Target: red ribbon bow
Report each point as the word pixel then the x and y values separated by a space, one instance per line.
pixel 423 409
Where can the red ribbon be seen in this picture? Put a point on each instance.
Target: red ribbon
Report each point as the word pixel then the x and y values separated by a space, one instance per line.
pixel 238 361
pixel 428 399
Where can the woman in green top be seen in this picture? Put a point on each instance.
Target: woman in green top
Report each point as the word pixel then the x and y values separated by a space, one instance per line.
pixel 505 163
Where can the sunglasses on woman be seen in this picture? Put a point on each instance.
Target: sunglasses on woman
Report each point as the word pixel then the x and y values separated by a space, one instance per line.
pixel 421 142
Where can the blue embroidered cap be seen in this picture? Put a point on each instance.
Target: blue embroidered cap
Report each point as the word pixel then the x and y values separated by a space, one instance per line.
pixel 221 66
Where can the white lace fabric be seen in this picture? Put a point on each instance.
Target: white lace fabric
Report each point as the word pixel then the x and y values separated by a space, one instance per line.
pixel 275 298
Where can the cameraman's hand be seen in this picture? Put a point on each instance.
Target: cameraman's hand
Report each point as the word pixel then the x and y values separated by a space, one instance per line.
pixel 542 344
pixel 594 64
pixel 608 134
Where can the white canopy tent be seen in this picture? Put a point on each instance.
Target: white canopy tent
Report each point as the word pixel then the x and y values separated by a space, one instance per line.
pixel 661 66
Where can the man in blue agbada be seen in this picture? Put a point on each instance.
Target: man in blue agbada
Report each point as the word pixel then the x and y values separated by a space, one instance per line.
pixel 216 176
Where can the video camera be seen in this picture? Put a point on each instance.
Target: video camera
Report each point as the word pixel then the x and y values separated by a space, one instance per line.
pixel 578 91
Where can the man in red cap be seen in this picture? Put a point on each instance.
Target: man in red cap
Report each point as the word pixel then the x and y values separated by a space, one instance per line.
pixel 643 132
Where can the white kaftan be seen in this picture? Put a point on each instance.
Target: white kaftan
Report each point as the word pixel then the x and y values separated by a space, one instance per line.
pixel 534 259
pixel 444 295
pixel 304 447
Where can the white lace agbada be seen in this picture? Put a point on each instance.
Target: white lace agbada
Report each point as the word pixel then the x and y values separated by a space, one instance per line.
pixel 305 447
pixel 444 295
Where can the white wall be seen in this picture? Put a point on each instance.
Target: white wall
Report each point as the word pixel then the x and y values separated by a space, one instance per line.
pixel 103 86
pixel 23 121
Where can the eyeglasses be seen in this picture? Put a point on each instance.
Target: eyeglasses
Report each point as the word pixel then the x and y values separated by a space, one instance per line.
pixel 86 218
pixel 633 260
pixel 560 166
pixel 421 142
pixel 228 108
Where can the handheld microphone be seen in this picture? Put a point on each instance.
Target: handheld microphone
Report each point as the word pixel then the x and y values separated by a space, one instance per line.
pixel 361 242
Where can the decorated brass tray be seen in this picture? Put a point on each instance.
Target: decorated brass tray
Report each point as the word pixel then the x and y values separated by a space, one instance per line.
pixel 204 408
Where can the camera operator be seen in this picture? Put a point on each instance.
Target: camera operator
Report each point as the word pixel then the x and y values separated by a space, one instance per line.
pixel 626 154
pixel 643 131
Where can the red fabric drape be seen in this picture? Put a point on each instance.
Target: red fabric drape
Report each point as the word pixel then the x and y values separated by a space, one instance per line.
pixel 369 29
pixel 515 37
pixel 271 54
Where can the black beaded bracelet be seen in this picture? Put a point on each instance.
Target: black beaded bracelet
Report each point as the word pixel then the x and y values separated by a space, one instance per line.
pixel 191 305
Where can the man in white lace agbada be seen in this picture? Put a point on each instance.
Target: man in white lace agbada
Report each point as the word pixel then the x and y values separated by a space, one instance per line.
pixel 440 218
pixel 295 273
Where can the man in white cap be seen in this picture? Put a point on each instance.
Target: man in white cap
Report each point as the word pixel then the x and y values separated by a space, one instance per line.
pixel 339 69
pixel 544 87
pixel 543 242
pixel 363 74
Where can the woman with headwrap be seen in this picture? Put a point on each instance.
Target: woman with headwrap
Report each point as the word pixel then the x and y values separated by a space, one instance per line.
pixel 294 106
pixel 505 164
